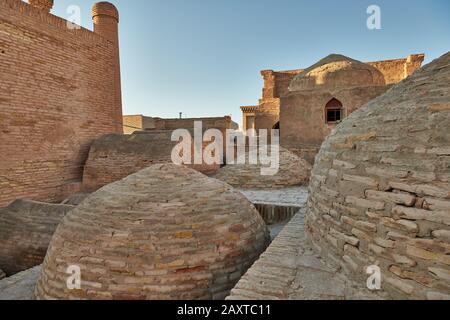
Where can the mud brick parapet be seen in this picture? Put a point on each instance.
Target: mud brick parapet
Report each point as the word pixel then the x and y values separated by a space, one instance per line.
pixel 59 90
pixel 380 188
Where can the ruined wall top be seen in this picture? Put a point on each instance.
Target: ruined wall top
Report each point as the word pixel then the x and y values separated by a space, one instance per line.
pixel 106 9
pixel 45 5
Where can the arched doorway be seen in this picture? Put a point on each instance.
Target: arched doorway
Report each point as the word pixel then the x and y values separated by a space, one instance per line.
pixel 334 111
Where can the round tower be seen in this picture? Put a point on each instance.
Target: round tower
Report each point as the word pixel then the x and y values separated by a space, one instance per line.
pixel 45 5
pixel 106 21
pixel 106 24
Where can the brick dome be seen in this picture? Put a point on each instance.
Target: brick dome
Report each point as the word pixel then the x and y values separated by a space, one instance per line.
pixel 26 228
pixel 380 188
pixel 293 171
pixel 336 72
pixel 166 232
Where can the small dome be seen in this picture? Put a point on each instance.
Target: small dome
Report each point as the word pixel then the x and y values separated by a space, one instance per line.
pixel 293 171
pixel 113 157
pixel 26 228
pixel 166 232
pixel 337 72
pixel 380 188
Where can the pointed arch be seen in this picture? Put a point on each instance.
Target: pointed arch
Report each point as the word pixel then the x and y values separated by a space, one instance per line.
pixel 334 111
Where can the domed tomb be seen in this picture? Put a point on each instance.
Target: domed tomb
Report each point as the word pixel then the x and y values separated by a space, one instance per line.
pixel 113 157
pixel 380 188
pixel 165 232
pixel 293 171
pixel 336 72
pixel 26 228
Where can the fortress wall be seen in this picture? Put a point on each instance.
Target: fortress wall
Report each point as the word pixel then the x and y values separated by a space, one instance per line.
pixel 58 92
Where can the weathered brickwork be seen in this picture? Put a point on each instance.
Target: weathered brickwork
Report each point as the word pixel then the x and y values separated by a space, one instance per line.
pixel 58 91
pixel 26 228
pixel 166 232
pixel 293 171
pixel 133 123
pixel 116 156
pixel 20 286
pixel 290 270
pixel 380 189
pixel 300 111
pixel 396 70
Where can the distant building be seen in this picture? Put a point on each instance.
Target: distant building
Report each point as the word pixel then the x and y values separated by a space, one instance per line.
pixel 305 105
pixel 133 123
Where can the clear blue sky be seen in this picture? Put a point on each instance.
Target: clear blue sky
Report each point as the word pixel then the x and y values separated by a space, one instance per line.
pixel 203 57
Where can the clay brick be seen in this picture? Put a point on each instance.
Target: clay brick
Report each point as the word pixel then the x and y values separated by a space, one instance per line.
pixel 419 214
pixel 397 198
pixel 360 179
pixel 376 205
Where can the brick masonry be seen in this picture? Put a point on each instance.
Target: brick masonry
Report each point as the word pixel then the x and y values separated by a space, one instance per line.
pixel 166 232
pixel 26 228
pixel 59 90
pixel 293 171
pixel 380 189
pixel 116 156
pixel 290 270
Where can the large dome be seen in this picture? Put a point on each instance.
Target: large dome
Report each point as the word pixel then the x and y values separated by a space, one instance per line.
pixel 293 171
pixel 336 72
pixel 380 188
pixel 166 232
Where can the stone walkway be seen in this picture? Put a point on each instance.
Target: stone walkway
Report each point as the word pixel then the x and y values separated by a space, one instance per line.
pixel 293 197
pixel 278 205
pixel 20 286
pixel 291 270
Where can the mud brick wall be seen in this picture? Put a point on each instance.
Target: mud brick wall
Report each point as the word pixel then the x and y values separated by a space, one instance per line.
pixel 380 188
pixel 114 157
pixel 396 70
pixel 58 92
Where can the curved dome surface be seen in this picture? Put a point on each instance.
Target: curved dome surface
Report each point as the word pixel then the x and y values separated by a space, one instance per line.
pixel 336 72
pixel 293 171
pixel 166 232
pixel 380 188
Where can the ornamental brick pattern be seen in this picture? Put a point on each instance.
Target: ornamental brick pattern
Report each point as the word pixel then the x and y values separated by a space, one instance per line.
pixel 293 171
pixel 380 189
pixel 166 232
pixel 26 228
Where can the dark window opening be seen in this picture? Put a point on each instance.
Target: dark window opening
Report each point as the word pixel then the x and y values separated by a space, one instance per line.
pixel 334 115
pixel 334 111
